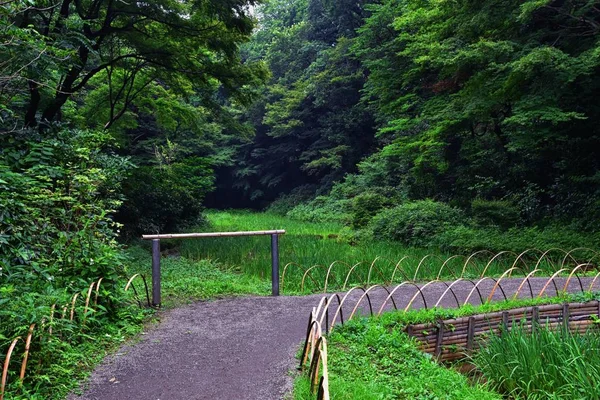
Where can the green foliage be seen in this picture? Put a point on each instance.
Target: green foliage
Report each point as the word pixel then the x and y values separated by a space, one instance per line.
pixel 57 198
pixel 374 361
pixel 547 363
pixel 57 195
pixel 500 213
pixel 416 223
pixel 480 92
pixel 166 198
pixel 364 207
pixel 321 209
pixel 54 54
pixel 310 126
pixel 468 239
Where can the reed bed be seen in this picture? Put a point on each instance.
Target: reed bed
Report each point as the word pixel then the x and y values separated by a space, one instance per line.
pixel 542 364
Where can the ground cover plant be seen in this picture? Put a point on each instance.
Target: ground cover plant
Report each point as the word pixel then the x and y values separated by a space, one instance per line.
pixel 372 358
pixel 185 280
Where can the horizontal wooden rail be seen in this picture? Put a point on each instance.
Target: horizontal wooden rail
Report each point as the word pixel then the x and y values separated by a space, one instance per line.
pixel 211 234
pixel 156 276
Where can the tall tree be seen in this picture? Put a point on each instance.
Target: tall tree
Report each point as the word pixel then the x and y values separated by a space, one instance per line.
pixel 131 45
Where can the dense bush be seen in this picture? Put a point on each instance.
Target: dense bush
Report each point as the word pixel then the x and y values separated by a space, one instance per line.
pixel 165 198
pixel 322 209
pixel 365 206
pixel 416 223
pixel 57 194
pixel 468 239
pixel 500 213
pixel 285 203
pixel 56 199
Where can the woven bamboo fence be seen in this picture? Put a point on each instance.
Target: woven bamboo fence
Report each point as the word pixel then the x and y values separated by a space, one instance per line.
pixel 80 306
pixel 452 339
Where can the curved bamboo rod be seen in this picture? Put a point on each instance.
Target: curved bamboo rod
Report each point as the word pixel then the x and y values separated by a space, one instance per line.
pixel 439 275
pixel 492 260
pixel 562 265
pixel 580 266
pixel 6 364
pixel 526 279
pixel 329 271
pixel 87 300
pixel 97 292
pixel 419 291
pixel 73 301
pixel 390 296
pixel 284 271
pixel 342 304
pixel 326 309
pixel 381 275
pixel 310 276
pixel 594 281
pixel 366 294
pixel 350 272
pixel 315 326
pixel 520 258
pixel 545 255
pixel 485 278
pixel 26 354
pixel 414 279
pixel 462 274
pixel 449 289
pixel 497 285
pixel 404 275
pixel 551 279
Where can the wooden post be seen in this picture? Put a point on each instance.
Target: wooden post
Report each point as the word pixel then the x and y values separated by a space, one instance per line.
pixel 275 264
pixel 439 340
pixel 470 333
pixel 156 300
pixel 565 316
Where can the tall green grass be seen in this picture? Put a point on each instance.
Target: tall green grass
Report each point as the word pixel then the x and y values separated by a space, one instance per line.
pixel 320 247
pixel 544 364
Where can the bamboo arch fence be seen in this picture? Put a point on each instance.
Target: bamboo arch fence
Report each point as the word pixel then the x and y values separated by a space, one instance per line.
pixel 77 310
pixel 448 339
pixel 341 275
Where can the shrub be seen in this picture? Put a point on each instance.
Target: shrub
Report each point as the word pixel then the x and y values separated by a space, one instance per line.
pixel 468 239
pixel 365 206
pixel 167 198
pixel 322 209
pixel 416 223
pixel 500 213
pixel 287 202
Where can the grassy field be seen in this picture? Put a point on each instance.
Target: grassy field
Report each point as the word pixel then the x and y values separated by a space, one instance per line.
pixel 316 256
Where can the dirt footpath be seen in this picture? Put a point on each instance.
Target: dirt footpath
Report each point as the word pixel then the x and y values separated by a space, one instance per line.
pixel 243 348
pixel 231 349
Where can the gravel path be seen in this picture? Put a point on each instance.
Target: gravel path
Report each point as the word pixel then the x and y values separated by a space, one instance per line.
pixel 241 348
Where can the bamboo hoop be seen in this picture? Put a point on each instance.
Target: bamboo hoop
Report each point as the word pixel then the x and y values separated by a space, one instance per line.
pixel 6 364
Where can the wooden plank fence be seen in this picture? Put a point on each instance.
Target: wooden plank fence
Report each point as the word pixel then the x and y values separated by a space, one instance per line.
pixel 452 339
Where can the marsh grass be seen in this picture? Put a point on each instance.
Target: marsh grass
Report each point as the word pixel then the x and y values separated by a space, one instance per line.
pixel 320 248
pixel 543 364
